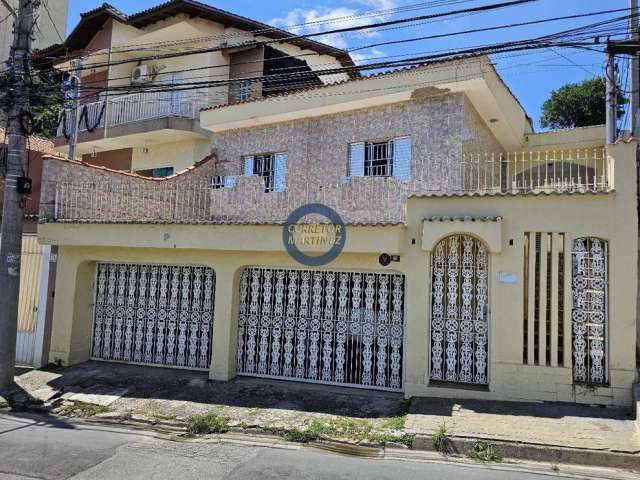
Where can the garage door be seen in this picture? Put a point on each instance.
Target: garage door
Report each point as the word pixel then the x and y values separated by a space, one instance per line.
pixel 322 326
pixel 153 314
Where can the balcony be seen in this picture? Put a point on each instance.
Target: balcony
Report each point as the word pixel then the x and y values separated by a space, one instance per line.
pixel 108 197
pixel 134 108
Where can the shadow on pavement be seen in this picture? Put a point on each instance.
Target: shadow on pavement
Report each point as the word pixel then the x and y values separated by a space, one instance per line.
pixel 144 382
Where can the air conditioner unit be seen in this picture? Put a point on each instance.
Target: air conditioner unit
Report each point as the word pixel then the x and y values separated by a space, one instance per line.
pixel 140 74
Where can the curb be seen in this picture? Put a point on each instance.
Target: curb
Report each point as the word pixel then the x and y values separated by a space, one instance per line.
pixel 458 447
pixel 537 453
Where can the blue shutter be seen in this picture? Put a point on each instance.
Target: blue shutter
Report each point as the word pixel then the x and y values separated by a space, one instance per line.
pixel 356 159
pixel 230 181
pixel 248 166
pixel 402 158
pixel 280 174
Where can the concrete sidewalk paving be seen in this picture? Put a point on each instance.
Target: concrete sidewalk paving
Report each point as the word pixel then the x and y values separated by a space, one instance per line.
pixel 552 424
pixel 173 395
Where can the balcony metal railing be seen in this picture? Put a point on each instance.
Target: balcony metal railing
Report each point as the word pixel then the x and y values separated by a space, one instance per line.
pixel 134 108
pixel 357 200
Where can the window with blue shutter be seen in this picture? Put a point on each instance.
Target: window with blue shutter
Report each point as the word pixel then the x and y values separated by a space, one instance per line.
pixel 356 159
pixel 280 176
pixel 272 167
pixel 248 166
pixel 402 158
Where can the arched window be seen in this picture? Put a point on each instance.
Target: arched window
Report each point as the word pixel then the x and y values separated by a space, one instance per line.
pixel 590 283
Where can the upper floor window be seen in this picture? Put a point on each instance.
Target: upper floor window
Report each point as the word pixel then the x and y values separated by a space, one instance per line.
pixel 272 167
pixel 160 172
pixel 378 159
pixel 381 159
pixel 244 91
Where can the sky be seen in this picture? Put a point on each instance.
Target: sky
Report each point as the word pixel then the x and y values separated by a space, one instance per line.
pixel 531 77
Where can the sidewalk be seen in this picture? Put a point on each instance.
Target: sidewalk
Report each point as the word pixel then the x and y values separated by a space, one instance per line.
pixel 169 397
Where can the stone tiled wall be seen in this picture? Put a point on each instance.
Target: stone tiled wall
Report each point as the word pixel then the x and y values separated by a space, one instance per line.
pixel 318 148
pixel 318 152
pixel 108 195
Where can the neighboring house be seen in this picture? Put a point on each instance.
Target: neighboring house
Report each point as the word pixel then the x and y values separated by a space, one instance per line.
pixel 156 133
pixel 51 25
pixel 36 278
pixel 500 284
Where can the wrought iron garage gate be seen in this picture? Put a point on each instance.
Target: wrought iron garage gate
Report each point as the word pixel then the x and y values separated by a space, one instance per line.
pixel 153 314
pixel 459 327
pixel 322 326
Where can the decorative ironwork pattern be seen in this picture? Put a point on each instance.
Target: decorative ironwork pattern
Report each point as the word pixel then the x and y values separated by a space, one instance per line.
pixel 153 314
pixel 322 326
pixel 459 325
pixel 590 310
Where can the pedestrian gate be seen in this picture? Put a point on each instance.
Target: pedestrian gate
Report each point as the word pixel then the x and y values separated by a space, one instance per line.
pixel 154 314
pixel 459 326
pixel 29 304
pixel 321 326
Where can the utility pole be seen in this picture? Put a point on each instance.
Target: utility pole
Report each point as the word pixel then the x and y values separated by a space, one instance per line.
pixel 73 140
pixel 611 117
pixel 13 208
pixel 634 66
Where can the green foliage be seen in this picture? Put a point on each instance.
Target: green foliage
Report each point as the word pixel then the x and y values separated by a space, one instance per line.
pixel 207 423
pixel 349 428
pixel 82 409
pixel 441 441
pixel 44 99
pixel 578 105
pixel 395 423
pixel 485 452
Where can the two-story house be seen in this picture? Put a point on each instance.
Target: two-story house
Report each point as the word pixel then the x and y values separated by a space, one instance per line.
pixel 461 268
pixel 142 115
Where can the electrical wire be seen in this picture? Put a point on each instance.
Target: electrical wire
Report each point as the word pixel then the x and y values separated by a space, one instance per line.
pixel 223 36
pixel 482 8
pixel 55 27
pixel 551 19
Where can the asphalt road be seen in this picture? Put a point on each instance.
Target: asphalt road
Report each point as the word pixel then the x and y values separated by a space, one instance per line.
pixel 42 447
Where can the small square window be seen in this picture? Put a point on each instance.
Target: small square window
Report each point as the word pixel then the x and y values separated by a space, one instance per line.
pixel 264 166
pixel 217 181
pixel 378 159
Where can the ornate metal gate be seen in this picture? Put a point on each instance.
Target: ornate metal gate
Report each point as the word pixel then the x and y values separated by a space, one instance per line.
pixel 459 325
pixel 153 314
pixel 589 314
pixel 322 326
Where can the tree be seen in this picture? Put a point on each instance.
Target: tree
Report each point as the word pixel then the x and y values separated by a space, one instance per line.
pixel 578 105
pixel 45 100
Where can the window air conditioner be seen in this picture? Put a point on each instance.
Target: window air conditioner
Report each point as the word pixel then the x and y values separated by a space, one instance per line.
pixel 140 74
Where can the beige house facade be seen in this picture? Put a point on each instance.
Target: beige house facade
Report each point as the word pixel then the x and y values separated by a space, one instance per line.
pixel 466 270
pixel 148 122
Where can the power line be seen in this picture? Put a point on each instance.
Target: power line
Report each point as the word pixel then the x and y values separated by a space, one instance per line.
pixel 404 40
pixel 55 27
pixel 487 29
pixel 371 13
pixel 482 8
